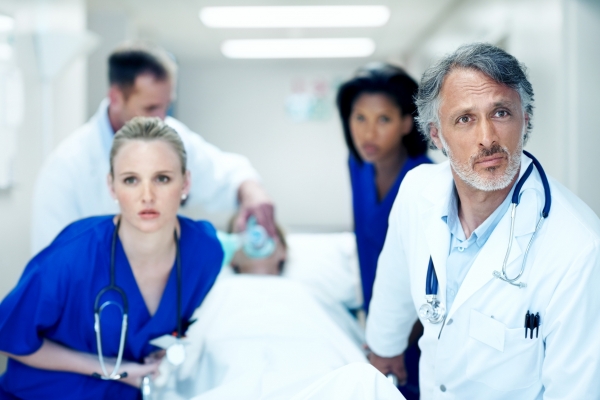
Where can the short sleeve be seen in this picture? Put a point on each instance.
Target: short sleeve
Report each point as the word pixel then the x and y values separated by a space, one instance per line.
pixel 216 174
pixel 29 310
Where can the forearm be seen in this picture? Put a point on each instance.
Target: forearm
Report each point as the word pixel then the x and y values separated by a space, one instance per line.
pixel 255 201
pixel 55 357
pixel 251 192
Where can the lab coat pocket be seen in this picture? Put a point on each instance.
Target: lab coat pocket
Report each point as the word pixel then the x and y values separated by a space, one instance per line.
pixel 502 358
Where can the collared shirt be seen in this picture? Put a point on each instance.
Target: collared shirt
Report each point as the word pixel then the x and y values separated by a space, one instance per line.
pixel 463 251
pixel 105 128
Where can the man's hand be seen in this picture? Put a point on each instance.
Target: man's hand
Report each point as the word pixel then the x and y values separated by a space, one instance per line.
pixel 394 365
pixel 255 201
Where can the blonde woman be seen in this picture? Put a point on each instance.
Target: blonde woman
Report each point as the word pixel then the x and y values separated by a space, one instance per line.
pixel 146 260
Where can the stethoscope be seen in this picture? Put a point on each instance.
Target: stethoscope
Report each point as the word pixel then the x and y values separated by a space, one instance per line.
pixel 433 310
pixel 175 353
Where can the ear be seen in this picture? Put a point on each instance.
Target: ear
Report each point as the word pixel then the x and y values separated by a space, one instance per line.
pixel 407 124
pixel 116 96
pixel 111 186
pixel 187 182
pixel 435 136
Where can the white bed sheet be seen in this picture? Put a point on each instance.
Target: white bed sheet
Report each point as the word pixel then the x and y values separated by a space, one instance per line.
pixel 259 337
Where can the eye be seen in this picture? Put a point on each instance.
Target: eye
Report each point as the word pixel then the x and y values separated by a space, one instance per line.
pixel 502 113
pixel 385 119
pixel 463 119
pixel 163 179
pixel 130 180
pixel 359 117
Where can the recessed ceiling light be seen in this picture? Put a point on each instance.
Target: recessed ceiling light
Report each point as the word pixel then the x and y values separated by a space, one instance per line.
pixel 298 48
pixel 294 16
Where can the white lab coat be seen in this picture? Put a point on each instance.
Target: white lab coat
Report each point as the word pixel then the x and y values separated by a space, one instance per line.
pixel 72 182
pixel 481 352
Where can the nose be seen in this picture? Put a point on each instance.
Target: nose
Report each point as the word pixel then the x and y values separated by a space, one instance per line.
pixel 162 114
pixel 487 133
pixel 370 131
pixel 147 193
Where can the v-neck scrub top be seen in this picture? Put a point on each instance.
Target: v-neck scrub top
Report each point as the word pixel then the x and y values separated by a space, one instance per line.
pixel 371 216
pixel 54 299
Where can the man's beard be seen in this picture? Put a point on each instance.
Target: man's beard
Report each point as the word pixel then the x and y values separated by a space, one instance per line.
pixel 467 173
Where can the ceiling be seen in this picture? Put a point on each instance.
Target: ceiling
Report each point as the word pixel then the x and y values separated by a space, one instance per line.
pixel 176 26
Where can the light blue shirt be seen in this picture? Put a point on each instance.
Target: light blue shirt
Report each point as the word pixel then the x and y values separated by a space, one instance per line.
pixel 463 251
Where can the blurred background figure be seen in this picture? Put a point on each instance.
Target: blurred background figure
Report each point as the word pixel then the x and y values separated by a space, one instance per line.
pixel 71 183
pixel 377 112
pixel 278 108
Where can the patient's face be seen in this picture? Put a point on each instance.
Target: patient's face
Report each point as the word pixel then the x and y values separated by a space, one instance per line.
pixel 260 266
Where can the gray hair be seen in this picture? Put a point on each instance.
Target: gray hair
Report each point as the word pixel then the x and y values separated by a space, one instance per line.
pixel 486 58
pixel 148 129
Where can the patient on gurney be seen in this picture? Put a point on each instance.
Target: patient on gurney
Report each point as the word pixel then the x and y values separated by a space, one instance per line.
pixel 263 336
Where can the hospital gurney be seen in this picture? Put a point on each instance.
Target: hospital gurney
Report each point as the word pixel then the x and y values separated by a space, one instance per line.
pixel 260 337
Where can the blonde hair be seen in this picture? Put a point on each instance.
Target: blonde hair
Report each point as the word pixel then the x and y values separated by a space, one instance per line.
pixel 148 129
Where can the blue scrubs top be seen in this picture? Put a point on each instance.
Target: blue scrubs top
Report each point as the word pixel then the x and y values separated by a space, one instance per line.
pixel 55 296
pixel 371 216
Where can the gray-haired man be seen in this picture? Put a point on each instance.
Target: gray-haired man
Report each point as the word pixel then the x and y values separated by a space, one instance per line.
pixel 517 298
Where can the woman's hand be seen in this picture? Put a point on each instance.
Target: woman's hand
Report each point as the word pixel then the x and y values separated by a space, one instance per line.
pixel 136 372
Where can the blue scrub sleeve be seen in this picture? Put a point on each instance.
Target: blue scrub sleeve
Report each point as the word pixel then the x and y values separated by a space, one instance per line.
pixel 28 311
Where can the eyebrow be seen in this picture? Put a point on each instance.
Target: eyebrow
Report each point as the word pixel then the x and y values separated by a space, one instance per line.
pixel 504 104
pixel 167 171
pixel 497 104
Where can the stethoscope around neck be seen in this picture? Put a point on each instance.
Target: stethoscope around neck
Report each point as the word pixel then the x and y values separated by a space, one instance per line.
pixel 433 310
pixel 175 350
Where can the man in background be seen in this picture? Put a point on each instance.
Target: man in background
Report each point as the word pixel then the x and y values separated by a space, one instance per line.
pixel 72 182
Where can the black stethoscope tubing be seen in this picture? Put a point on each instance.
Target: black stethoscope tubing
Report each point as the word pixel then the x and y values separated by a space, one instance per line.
pixel 431 283
pixel 125 308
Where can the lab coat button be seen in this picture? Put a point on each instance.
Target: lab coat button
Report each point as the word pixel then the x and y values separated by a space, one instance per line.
pixel 442 388
pixel 449 322
pixel 461 249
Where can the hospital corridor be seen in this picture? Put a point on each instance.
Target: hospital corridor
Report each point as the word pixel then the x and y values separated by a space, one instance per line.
pixel 318 199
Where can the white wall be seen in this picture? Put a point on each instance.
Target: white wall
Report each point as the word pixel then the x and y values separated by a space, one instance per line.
pixel 68 112
pixel 239 106
pixel 558 42
pixel 582 95
pixel 114 28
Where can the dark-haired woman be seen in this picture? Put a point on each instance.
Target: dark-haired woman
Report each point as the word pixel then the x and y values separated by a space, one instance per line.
pixel 377 112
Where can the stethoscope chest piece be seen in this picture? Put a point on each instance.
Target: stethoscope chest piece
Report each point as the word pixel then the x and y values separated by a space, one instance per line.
pixel 176 353
pixel 432 310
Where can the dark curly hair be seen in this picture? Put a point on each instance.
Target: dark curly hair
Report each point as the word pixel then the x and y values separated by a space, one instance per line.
pixel 391 81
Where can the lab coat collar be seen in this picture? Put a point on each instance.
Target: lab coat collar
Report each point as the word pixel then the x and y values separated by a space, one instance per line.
pixel 491 256
pixel 435 204
pixel 105 129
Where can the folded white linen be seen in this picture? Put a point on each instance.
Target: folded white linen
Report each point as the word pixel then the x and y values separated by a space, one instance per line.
pixel 259 337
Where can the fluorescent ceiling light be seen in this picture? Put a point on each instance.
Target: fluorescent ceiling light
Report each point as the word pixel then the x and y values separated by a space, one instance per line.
pixel 298 48
pixel 6 23
pixel 294 16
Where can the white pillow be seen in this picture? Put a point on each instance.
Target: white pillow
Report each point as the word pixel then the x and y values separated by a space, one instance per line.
pixel 327 264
